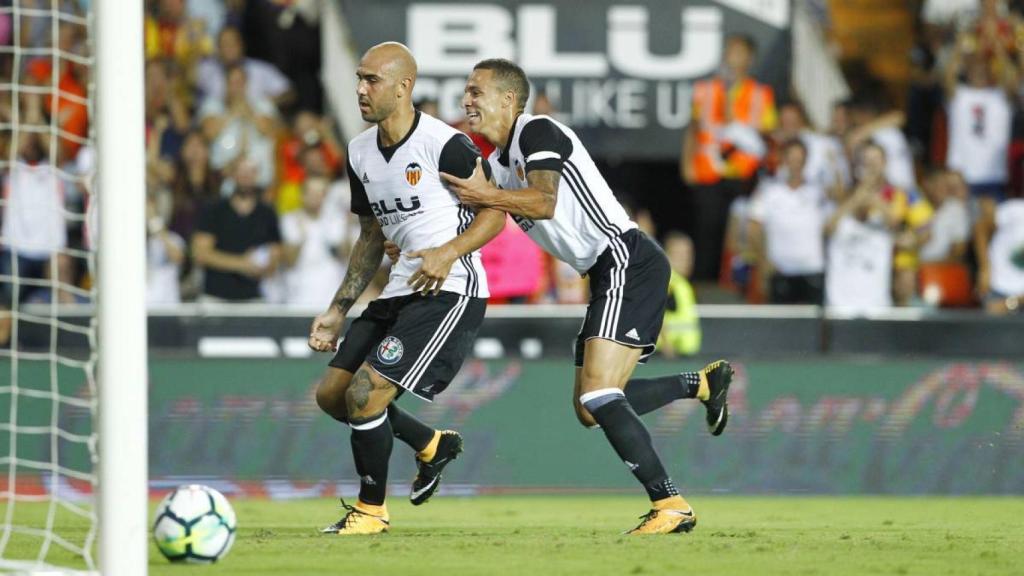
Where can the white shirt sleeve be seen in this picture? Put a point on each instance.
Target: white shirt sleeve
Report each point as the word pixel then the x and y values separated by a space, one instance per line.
pixel 290 230
pixel 270 81
pixel 757 207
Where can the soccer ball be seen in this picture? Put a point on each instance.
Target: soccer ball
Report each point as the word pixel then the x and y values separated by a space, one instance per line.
pixel 194 524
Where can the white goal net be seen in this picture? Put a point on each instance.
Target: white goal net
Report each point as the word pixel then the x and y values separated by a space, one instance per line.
pixel 48 352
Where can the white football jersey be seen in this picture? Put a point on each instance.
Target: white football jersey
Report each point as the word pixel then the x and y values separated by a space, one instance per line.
pixel 587 215
pixel 401 186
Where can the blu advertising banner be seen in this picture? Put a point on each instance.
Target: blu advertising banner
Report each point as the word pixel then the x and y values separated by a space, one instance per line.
pixel 620 74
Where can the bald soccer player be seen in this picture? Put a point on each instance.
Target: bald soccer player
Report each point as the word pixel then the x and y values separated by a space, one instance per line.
pixel 415 336
pixel 549 184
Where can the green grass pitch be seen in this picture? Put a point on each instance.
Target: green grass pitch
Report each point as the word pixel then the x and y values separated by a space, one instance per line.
pixel 528 535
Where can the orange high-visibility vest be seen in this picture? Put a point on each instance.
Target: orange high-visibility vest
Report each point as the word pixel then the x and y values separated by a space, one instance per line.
pixel 747 102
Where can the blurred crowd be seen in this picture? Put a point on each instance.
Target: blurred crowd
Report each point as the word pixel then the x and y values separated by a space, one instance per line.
pixel 914 203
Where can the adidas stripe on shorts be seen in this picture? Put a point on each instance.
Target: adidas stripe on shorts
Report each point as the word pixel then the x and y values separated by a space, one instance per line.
pixel 416 342
pixel 628 294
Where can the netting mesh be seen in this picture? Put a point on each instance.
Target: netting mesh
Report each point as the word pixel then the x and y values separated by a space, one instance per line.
pixel 47 342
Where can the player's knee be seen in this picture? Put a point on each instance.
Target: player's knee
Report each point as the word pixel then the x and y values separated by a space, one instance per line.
pixel 590 402
pixel 582 415
pixel 331 400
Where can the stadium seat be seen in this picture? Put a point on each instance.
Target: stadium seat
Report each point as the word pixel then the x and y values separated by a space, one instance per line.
pixel 952 282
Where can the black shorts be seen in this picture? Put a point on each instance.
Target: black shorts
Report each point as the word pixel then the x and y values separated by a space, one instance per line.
pixel 628 293
pixel 416 342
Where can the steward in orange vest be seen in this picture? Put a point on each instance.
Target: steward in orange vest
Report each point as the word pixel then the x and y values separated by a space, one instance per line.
pixel 724 140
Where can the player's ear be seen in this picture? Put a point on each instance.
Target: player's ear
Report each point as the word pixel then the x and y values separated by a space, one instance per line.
pixel 509 99
pixel 406 84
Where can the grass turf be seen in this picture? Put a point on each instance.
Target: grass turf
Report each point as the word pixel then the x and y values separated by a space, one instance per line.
pixel 513 535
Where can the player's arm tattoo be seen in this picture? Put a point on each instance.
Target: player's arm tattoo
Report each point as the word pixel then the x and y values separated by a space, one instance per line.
pixel 363 263
pixel 546 183
pixel 536 201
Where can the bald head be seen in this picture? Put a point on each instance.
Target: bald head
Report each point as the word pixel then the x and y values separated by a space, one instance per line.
pixel 393 58
pixel 387 74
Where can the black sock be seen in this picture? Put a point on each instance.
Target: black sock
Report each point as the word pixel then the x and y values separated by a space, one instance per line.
pixel 372 439
pixel 408 429
pixel 631 441
pixel 648 394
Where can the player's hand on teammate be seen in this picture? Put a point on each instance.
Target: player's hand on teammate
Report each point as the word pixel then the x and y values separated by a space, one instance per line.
pixel 437 263
pixel 393 251
pixel 474 191
pixel 323 334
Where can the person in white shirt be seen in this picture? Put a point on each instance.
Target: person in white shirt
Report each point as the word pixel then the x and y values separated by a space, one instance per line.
pixel 827 164
pixel 165 253
pixel 950 225
pixel 787 222
pixel 858 276
pixel 884 128
pixel 980 119
pixel 415 336
pixel 545 178
pixel 314 247
pixel 999 243
pixel 34 230
pixel 239 126
pixel 266 82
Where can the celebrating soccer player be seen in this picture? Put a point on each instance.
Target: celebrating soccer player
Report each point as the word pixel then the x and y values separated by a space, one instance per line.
pixel 416 335
pixel 547 181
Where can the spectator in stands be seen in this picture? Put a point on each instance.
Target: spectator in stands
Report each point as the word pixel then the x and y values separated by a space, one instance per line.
pixel 980 118
pixel 315 247
pixel 240 127
pixel 170 33
pixel 567 284
pixel 68 107
pixel 999 243
pixel 723 146
pixel 858 275
pixel 287 34
pixel 869 123
pixel 195 184
pixel 237 241
pixel 680 334
pixel 165 254
pixel 993 35
pixel 34 231
pixel 827 165
pixel 264 81
pixel 309 130
pixel 924 93
pixel 738 253
pixel 787 222
pixel 950 225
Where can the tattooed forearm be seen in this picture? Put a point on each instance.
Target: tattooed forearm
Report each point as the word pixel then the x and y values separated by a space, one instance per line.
pixel 362 265
pixel 536 202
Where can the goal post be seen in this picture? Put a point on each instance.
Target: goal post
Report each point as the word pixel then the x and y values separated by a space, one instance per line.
pixel 122 370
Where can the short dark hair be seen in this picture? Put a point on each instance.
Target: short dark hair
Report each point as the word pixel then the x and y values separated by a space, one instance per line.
pixel 511 77
pixel 746 39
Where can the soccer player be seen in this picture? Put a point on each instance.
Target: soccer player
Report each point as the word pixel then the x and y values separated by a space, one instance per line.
pixel 416 334
pixel 547 181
